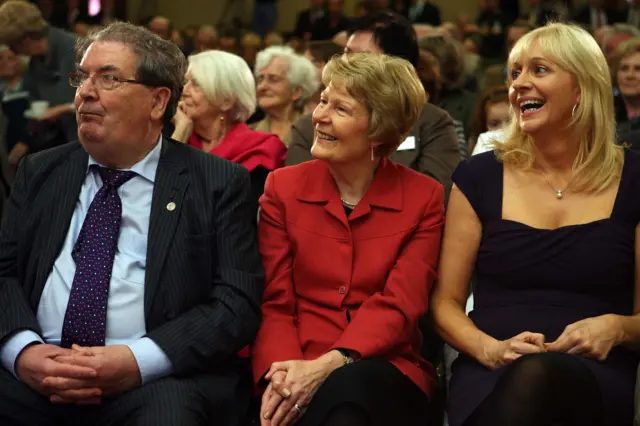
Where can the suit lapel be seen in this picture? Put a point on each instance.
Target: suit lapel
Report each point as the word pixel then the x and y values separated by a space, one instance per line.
pixel 66 185
pixel 168 196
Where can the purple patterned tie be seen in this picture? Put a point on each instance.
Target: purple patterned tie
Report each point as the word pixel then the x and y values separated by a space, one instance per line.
pixel 86 317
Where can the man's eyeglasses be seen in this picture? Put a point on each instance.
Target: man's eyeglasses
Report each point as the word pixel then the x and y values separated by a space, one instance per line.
pixel 101 81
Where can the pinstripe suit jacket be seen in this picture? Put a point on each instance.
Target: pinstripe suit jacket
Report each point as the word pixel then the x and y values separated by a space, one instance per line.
pixel 203 281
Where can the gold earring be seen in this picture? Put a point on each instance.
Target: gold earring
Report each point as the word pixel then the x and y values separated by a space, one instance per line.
pixel 373 158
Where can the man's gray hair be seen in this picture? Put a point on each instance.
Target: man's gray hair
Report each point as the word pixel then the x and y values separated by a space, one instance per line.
pixel 160 63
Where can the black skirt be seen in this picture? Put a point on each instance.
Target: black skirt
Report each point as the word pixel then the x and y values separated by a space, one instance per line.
pixel 389 397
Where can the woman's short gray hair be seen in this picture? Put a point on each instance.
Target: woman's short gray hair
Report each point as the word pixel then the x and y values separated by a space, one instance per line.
pixel 160 63
pixel 301 73
pixel 223 75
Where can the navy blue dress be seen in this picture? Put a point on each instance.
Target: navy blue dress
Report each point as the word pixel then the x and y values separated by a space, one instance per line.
pixel 538 280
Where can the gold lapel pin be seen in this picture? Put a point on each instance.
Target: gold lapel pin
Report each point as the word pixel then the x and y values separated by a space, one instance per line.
pixel 171 206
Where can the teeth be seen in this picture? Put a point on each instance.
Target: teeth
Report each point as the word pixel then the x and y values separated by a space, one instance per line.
pixel 534 102
pixel 326 136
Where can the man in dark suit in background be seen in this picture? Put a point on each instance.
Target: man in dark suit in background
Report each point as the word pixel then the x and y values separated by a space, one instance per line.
pixel 129 271
pixel 432 147
pixel 597 14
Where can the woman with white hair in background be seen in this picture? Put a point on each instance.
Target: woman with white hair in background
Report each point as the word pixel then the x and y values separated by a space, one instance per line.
pixel 218 97
pixel 286 81
pixel 548 225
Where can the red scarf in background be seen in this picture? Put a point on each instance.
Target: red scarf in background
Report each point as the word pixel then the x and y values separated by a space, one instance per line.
pixel 247 147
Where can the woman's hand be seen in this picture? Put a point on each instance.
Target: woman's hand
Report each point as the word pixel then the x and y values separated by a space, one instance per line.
pixel 502 352
pixel 271 399
pixel 591 337
pixel 303 379
pixel 183 124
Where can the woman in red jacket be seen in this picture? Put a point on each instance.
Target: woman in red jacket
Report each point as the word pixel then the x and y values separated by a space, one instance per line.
pixel 350 242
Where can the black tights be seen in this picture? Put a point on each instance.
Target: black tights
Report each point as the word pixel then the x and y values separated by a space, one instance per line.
pixel 347 414
pixel 542 390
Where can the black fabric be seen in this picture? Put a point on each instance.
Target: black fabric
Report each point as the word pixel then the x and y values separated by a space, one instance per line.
pixel 377 387
pixel 542 390
pixel 258 178
pixel 347 414
pixel 198 401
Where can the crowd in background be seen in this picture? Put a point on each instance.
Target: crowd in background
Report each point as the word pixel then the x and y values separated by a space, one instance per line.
pixel 250 91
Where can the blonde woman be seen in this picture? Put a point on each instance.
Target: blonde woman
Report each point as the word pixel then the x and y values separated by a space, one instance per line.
pixel 548 223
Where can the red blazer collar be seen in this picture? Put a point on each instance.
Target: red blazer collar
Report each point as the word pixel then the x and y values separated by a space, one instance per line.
pixel 385 191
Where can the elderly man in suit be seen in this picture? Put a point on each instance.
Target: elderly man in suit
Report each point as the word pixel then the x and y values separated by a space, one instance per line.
pixel 129 271
pixel 432 146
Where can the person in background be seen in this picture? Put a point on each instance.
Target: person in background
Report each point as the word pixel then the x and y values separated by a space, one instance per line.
pixel 52 58
pixel 129 267
pixel 218 97
pixel 453 98
pixel 15 102
pixel 549 226
pixel 206 39
pixel 633 13
pixel 265 16
pixel 432 146
pixel 286 81
pixel 611 38
pixel 333 22
pixel 81 29
pixel 250 44
pixel 625 68
pixel 492 112
pixel 161 26
pixel 496 75
pixel 350 253
pixel 492 24
pixel 319 53
pixel 596 14
pixel 307 18
pixel 273 38
pixel 422 12
pixel 228 41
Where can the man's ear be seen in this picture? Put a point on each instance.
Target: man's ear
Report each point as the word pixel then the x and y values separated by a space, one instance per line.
pixel 160 100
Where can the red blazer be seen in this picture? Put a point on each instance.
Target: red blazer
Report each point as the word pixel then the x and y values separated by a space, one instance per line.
pixel 359 283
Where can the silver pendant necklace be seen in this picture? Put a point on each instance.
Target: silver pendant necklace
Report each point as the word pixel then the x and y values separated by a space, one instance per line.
pixel 559 192
pixel 347 204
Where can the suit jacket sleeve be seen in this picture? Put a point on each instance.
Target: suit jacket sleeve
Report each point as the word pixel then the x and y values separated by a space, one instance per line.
pixel 217 329
pixel 389 318
pixel 301 142
pixel 440 153
pixel 278 336
pixel 15 311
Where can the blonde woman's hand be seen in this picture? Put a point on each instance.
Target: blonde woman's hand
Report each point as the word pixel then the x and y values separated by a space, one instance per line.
pixel 591 337
pixel 499 353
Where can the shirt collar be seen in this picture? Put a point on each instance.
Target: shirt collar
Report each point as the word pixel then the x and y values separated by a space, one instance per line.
pixel 146 167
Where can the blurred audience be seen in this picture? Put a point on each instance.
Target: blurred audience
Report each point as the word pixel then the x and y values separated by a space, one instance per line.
pixel 206 39
pixel 161 26
pixel 286 81
pixel 15 102
pixel 598 13
pixel 265 16
pixel 331 23
pixel 228 41
pixel 218 97
pixel 612 36
pixel 307 19
pixel 625 70
pixel 273 38
pixel 319 53
pixel 492 112
pixel 250 44
pixel 52 58
pixel 492 24
pixel 421 12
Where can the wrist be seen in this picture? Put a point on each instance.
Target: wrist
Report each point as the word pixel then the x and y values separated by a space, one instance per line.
pixel 332 360
pixel 619 325
pixel 485 352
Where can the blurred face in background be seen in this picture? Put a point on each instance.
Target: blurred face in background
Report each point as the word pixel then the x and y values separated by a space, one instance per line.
pixel 334 7
pixel 513 35
pixel 205 40
pixel 274 91
pixel 161 26
pixel 361 42
pixel 228 44
pixel 319 63
pixel 10 64
pixel 613 43
pixel 497 115
pixel 628 75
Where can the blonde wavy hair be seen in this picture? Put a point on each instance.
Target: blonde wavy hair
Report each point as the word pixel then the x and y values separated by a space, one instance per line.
pixel 387 86
pixel 599 162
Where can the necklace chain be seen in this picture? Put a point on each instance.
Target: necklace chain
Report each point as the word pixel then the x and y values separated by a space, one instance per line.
pixel 348 204
pixel 559 192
